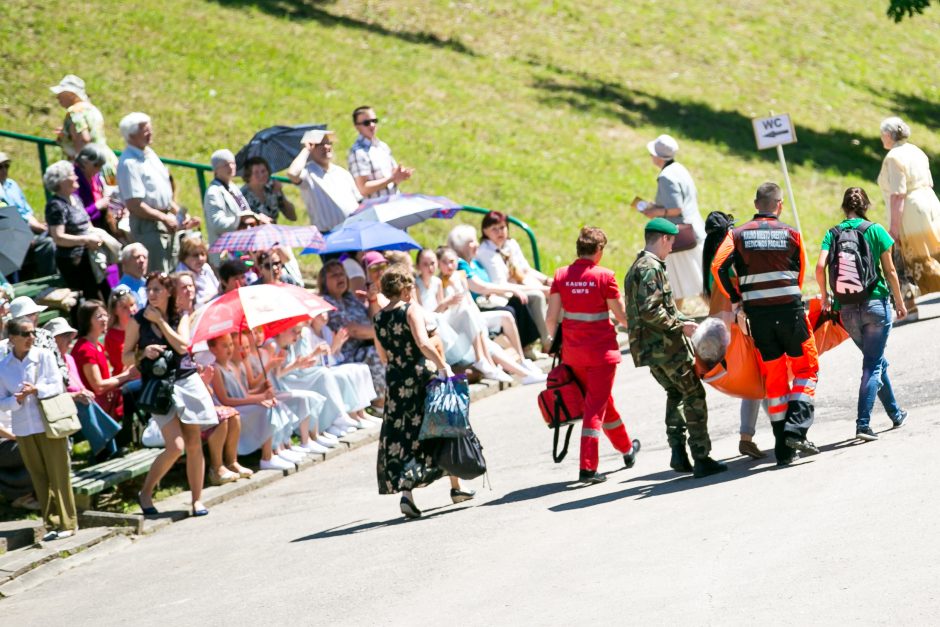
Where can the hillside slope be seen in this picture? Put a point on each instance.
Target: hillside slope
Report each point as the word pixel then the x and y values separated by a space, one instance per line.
pixel 539 108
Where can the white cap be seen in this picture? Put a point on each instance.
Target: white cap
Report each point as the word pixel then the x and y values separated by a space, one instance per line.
pixel 24 306
pixel 70 83
pixel 4 157
pixel 664 147
pixel 315 136
pixel 58 326
pixel 221 156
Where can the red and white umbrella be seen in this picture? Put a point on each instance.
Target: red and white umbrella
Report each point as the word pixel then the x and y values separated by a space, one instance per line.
pixel 274 307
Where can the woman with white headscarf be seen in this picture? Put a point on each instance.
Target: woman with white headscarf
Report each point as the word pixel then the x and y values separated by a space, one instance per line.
pixel 676 200
pixel 83 124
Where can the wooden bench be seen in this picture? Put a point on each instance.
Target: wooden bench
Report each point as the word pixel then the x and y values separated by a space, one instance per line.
pixel 87 483
pixel 38 290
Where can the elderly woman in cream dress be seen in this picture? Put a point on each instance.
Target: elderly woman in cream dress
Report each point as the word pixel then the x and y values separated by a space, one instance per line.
pixel 677 201
pixel 913 209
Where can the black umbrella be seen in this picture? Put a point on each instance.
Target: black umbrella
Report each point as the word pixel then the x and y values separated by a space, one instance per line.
pixel 16 237
pixel 277 144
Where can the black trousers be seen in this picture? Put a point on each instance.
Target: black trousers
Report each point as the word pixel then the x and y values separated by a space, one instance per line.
pixel 81 278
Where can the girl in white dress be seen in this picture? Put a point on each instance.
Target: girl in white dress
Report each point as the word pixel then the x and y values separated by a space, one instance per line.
pixel 454 292
pixel 354 379
pixel 261 417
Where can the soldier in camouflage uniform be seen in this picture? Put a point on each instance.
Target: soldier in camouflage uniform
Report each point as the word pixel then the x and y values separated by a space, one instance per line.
pixel 658 339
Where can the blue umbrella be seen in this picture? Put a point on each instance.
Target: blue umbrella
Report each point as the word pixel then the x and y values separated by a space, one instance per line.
pixel 365 236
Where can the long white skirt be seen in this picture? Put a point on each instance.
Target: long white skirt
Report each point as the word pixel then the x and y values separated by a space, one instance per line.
pixel 191 402
pixel 298 404
pixel 685 272
pixel 259 423
pixel 355 383
pixel 321 381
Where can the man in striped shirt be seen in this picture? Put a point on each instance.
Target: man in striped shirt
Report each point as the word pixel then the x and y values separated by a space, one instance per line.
pixel 370 160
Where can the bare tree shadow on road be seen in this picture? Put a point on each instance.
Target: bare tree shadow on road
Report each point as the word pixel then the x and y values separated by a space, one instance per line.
pixel 346 530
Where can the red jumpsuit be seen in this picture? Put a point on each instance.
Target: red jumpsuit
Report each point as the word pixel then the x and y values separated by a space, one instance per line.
pixel 589 347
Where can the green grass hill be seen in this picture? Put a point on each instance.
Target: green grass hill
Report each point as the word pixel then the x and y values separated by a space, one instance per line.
pixel 539 108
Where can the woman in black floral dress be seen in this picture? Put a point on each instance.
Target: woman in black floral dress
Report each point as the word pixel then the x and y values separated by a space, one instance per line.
pixel 404 462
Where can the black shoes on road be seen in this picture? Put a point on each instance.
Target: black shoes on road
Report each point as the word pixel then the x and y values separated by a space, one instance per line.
pixel 706 467
pixel 680 459
pixel 630 458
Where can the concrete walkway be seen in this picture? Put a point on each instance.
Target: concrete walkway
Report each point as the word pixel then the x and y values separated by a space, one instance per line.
pixel 847 536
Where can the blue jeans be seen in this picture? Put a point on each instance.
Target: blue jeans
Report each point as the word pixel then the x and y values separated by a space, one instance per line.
pixel 869 324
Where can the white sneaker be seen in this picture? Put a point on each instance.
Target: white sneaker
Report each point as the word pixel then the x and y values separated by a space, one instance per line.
pixel 346 421
pixel 530 365
pixel 492 372
pixel 373 419
pixel 336 431
pixel 325 443
pixel 67 533
pixel 298 449
pixel 290 456
pixel 276 463
pixel 312 447
pixel 328 436
pixel 531 378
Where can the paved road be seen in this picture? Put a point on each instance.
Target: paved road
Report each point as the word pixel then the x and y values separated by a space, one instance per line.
pixel 846 536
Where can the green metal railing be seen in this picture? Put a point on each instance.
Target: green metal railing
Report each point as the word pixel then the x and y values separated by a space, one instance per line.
pixel 200 169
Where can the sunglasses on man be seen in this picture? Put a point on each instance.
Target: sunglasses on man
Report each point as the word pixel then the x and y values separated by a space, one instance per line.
pixel 370 122
pixel 31 333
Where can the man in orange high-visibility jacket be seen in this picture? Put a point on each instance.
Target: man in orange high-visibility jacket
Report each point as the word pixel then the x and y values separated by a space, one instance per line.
pixel 767 257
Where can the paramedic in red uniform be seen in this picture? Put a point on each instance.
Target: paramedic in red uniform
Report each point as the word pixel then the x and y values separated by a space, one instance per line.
pixel 582 296
pixel 767 258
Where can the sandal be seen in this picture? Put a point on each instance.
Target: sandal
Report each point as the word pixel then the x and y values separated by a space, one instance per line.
pixel 226 476
pixel 243 473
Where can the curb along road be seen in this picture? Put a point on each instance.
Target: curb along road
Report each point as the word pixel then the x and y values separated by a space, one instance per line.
pixel 105 532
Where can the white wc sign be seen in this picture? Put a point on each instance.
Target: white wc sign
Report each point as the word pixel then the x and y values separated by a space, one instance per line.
pixel 777 130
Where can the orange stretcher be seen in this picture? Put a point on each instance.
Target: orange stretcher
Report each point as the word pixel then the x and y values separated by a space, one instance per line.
pixel 741 372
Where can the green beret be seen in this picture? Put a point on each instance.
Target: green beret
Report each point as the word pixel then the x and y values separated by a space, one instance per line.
pixel 662 225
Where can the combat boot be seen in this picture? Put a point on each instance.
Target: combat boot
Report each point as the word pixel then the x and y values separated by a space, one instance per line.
pixel 629 459
pixel 680 459
pixel 707 466
pixel 784 454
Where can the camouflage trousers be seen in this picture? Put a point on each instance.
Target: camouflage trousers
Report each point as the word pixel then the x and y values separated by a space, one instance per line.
pixel 685 407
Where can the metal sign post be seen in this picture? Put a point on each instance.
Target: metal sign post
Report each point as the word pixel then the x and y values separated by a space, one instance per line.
pixel 777 130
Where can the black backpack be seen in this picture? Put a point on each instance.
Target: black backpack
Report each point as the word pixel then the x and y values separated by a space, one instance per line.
pixel 717 225
pixel 852 275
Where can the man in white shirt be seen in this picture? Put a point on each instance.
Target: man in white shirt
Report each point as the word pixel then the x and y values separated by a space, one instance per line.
pixel 370 160
pixel 144 184
pixel 328 190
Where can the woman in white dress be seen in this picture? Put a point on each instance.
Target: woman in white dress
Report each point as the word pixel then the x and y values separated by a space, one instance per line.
pixel 676 200
pixel 502 258
pixel 455 289
pixel 913 212
pixel 448 310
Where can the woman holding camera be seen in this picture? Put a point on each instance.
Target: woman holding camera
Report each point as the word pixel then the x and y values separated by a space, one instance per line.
pixel 157 341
